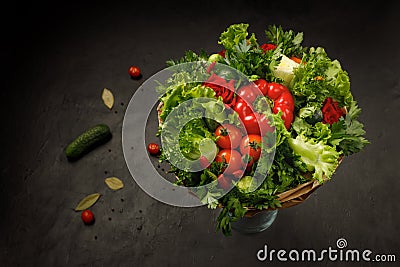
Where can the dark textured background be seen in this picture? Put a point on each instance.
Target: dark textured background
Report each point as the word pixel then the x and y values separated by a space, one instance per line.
pixel 55 61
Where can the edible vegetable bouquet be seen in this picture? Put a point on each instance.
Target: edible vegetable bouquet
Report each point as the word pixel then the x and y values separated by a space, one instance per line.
pixel 294 105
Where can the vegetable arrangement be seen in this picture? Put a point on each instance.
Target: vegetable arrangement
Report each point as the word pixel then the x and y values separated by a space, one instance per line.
pixel 314 116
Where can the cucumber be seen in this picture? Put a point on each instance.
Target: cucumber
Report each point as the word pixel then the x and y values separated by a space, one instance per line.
pixel 87 141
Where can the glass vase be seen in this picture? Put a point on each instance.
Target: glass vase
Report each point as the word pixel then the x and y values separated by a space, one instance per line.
pixel 255 223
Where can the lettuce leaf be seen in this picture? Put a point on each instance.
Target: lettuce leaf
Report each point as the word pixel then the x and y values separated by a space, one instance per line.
pixel 180 93
pixel 234 35
pixel 319 158
pixel 319 78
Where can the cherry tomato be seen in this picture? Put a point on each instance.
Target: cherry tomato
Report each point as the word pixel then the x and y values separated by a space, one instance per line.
pixel 232 158
pixel 153 148
pixel 134 72
pixel 262 85
pixel 251 124
pixel 228 136
pixel 242 108
pixel 251 145
pixel 249 93
pixel 224 182
pixel 87 217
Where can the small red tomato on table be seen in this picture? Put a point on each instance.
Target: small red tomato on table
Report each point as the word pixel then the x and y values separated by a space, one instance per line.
pixel 134 72
pixel 154 149
pixel 87 217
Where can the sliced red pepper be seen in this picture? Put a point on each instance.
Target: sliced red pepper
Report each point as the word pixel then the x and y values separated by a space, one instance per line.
pixel 222 88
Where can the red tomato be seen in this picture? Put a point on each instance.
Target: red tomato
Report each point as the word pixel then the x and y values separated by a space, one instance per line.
pixel 224 182
pixel 153 149
pixel 87 217
pixel 251 145
pixel 248 92
pixel 232 158
pixel 134 72
pixel 242 108
pixel 228 136
pixel 262 85
pixel 251 124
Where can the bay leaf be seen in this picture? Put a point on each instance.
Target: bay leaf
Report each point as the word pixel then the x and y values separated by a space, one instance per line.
pixel 114 183
pixel 87 202
pixel 108 98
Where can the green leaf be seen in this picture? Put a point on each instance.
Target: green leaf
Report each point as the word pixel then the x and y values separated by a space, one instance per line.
pixel 289 41
pixel 87 202
pixel 321 159
pixel 234 35
pixel 348 134
pixel 332 81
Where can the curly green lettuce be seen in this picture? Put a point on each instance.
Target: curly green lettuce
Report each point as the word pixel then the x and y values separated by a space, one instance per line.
pixel 319 158
pixel 319 78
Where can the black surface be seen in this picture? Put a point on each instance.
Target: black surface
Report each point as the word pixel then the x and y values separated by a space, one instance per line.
pixel 55 61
